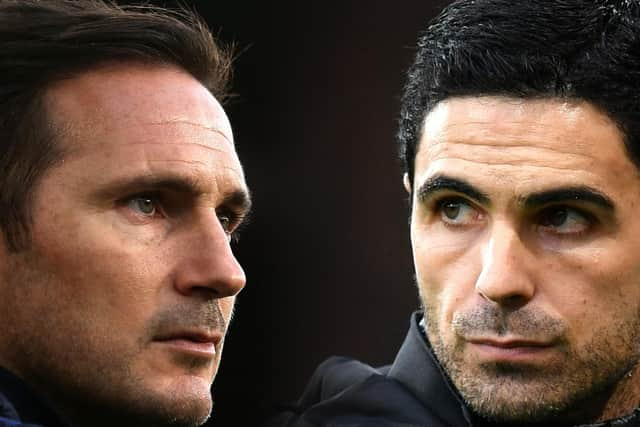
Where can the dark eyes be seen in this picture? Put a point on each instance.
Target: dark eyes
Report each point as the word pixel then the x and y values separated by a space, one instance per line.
pixel 565 220
pixel 456 212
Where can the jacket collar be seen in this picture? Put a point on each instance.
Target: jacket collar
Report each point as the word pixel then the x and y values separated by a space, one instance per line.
pixel 416 367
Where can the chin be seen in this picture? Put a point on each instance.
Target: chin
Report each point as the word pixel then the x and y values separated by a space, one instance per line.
pixel 150 409
pixel 183 402
pixel 506 409
pixel 189 413
pixel 189 399
pixel 173 411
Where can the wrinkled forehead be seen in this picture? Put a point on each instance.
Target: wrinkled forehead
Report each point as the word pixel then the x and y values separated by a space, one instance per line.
pixel 134 120
pixel 511 141
pixel 477 119
pixel 502 123
pixel 138 98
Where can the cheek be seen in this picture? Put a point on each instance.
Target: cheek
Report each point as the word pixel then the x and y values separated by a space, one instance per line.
pixel 446 276
pixel 226 307
pixel 588 288
pixel 102 275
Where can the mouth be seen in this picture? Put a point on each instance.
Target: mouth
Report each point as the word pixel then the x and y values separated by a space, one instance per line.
pixel 510 350
pixel 201 344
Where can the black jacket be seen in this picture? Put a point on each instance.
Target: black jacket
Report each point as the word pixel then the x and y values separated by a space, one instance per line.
pixel 20 406
pixel 412 391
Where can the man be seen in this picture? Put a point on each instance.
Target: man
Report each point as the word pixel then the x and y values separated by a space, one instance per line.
pixel 520 137
pixel 120 190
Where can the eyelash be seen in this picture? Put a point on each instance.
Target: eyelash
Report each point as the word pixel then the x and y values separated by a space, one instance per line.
pixel 439 205
pixel 155 198
pixel 590 220
pixel 236 221
pixel 539 216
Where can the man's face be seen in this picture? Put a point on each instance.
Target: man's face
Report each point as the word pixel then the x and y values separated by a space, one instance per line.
pixel 121 303
pixel 525 240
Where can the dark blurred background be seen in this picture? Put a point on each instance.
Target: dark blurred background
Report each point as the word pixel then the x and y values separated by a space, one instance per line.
pixel 327 251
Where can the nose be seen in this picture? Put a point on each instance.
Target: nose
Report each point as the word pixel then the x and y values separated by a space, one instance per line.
pixel 506 276
pixel 206 263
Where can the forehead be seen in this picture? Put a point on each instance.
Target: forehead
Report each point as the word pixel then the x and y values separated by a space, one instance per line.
pixel 134 94
pixel 527 145
pixel 141 119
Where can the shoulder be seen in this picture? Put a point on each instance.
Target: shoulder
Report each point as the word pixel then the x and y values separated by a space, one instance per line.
pixel 346 392
pixel 8 414
pixel 6 422
pixel 335 375
pixel 412 391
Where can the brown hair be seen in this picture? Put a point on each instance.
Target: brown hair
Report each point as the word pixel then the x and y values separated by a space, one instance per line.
pixel 42 42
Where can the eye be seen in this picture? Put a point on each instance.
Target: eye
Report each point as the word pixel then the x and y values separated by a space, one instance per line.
pixel 231 223
pixel 565 220
pixel 457 212
pixel 225 222
pixel 143 205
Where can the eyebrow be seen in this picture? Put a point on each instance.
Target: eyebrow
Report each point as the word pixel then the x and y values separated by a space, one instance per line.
pixel 439 183
pixel 238 199
pixel 578 194
pixel 582 194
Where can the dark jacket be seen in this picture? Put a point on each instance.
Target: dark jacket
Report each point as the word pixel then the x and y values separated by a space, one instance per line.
pixel 413 391
pixel 20 406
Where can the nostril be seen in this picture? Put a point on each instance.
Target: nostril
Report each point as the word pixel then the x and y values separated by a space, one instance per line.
pixel 507 301
pixel 205 293
pixel 514 302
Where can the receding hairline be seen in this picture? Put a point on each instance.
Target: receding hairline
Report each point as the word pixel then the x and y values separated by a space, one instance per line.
pixel 59 126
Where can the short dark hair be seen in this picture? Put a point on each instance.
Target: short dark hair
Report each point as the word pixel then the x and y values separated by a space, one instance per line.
pixel 42 42
pixel 570 49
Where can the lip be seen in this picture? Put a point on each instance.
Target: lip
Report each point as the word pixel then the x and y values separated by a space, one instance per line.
pixel 197 343
pixel 510 349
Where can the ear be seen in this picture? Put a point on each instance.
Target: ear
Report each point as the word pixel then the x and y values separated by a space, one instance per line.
pixel 407 183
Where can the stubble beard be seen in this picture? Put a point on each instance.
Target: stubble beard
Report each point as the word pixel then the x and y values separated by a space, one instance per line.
pixel 108 391
pixel 86 382
pixel 566 389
